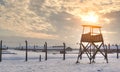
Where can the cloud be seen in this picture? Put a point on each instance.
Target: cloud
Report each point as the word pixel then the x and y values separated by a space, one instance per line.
pixel 77 8
pixel 16 17
pixel 2 2
pixel 73 7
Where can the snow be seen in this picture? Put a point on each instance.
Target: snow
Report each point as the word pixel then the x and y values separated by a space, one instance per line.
pixel 14 61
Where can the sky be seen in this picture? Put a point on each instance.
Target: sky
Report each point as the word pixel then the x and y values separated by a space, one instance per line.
pixel 56 21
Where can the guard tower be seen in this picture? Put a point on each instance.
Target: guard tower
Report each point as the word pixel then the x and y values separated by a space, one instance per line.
pixel 91 43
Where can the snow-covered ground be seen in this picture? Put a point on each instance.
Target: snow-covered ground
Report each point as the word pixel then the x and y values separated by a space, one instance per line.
pixel 14 61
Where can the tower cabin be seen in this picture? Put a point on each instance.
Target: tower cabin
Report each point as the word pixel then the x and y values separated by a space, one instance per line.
pixel 91 36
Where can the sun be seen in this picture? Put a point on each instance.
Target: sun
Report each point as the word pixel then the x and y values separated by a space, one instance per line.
pixel 90 17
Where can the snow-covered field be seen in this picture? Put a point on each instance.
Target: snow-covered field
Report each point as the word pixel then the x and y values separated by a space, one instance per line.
pixel 14 61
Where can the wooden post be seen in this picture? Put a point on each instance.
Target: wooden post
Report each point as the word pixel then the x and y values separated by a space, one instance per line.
pixel 117 51
pixel 90 54
pixel 0 50
pixel 40 58
pixel 80 50
pixel 26 57
pixel 45 46
pixel 64 51
pixel 106 52
pixel 109 48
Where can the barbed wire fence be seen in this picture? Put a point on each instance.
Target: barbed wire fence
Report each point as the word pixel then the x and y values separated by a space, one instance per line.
pixel 27 46
pixel 38 46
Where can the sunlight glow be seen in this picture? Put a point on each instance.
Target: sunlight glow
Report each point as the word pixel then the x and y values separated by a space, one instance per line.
pixel 90 17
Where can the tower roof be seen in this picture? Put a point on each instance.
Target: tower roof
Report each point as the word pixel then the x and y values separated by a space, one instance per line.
pixel 92 26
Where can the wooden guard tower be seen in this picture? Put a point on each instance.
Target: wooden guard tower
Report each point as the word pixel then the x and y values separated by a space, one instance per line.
pixel 91 43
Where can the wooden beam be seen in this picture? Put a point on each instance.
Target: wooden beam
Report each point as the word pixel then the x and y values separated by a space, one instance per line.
pixel 0 50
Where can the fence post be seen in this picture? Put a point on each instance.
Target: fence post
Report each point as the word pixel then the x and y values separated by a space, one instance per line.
pixel 106 52
pixel 64 51
pixel 117 51
pixel 80 50
pixel 26 57
pixel 45 46
pixel 40 58
pixel 1 51
pixel 109 46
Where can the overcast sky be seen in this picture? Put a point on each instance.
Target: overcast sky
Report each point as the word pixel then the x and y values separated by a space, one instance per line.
pixel 56 20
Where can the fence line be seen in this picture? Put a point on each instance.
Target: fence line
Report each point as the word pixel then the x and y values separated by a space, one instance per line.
pixel 45 47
